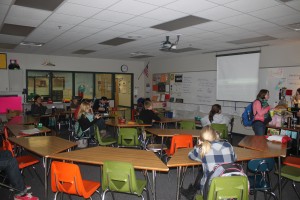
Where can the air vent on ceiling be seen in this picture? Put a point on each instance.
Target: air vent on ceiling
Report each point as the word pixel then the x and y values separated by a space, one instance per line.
pixel 116 41
pixel 295 26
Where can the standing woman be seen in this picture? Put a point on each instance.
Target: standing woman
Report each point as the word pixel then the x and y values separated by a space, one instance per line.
pixel 296 98
pixel 261 114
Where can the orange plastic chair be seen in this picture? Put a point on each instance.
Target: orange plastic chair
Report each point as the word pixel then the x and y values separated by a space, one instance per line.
pixel 180 141
pixel 66 178
pixel 24 161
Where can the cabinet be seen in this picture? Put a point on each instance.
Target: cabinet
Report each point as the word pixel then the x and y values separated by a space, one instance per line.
pixel 11 81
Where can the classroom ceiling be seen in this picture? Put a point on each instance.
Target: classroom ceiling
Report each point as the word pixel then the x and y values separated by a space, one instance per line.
pixel 135 29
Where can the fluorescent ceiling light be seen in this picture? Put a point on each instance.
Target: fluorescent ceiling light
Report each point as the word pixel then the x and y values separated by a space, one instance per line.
pixel 32 44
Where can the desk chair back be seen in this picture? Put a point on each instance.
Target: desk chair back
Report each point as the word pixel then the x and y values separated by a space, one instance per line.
pixel 228 187
pixel 108 141
pixel 66 178
pixel 128 137
pixel 189 125
pixel 120 177
pixel 260 180
pixel 222 129
pixel 180 141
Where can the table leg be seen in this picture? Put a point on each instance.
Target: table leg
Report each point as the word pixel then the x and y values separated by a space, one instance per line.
pixel 179 173
pixel 298 138
pixel 46 180
pixel 154 184
pixel 162 146
pixel 279 178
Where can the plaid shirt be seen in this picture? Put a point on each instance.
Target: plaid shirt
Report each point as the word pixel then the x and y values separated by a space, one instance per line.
pixel 220 152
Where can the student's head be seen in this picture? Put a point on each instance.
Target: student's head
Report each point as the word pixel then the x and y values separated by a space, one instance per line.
pixel 207 135
pixel 263 94
pixel 298 91
pixel 103 100
pixel 148 105
pixel 84 108
pixel 215 109
pixel 38 99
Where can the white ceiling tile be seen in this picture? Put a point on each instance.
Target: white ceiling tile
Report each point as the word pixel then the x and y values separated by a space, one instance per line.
pixel 148 32
pixel 288 34
pixel 256 26
pixel 239 20
pixel 272 30
pixel 99 24
pixel 56 27
pixel 157 2
pixel 125 28
pixel 77 10
pixel 217 13
pixel 221 2
pixel 66 19
pixel 142 21
pixel 6 2
pixel 274 12
pixel 85 29
pixel 20 15
pixel 136 8
pixel 95 3
pixel 42 35
pixel 209 35
pixel 294 4
pixel 11 39
pixel 190 6
pixel 113 16
pixel 251 5
pixel 212 26
pixel 164 14
pixel 3 9
pixel 285 20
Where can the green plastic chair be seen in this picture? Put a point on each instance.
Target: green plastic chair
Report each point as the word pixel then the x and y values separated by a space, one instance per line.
pixel 222 129
pixel 289 173
pixel 128 137
pixel 189 125
pixel 228 187
pixel 109 141
pixel 120 177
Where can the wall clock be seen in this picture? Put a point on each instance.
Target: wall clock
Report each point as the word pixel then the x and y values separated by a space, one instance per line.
pixel 124 68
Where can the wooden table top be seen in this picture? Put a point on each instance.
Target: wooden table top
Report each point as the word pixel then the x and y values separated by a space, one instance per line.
pixel 171 132
pixel 266 148
pixel 16 129
pixel 43 145
pixel 140 159
pixel 180 158
pixel 27 119
pixel 168 120
pixel 115 123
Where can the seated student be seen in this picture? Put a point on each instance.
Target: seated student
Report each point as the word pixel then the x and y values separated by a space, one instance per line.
pixel 215 117
pixel 101 106
pixel 148 116
pixel 211 152
pixel 74 103
pixel 37 108
pixel 10 166
pixel 86 118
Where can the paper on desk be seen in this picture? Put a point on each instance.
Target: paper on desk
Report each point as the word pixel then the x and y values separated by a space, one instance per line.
pixel 30 131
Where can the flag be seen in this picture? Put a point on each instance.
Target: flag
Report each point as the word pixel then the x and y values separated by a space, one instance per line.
pixel 146 71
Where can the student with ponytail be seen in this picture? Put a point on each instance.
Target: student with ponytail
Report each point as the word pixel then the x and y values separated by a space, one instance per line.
pixel 215 116
pixel 210 151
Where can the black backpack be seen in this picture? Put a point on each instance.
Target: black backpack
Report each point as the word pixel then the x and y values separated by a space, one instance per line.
pixel 226 169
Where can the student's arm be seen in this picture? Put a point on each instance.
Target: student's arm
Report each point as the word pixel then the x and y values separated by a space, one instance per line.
pixel 155 116
pixel 85 123
pixel 195 154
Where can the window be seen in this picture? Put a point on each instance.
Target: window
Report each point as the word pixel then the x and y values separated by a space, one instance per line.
pixel 84 87
pixel 103 85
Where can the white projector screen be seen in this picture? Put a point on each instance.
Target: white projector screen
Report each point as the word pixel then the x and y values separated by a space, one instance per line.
pixel 237 77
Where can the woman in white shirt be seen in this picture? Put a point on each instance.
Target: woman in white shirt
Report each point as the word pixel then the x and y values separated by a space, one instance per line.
pixel 215 117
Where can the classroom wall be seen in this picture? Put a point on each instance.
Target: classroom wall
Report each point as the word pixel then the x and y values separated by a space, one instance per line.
pixel 32 61
pixel 271 56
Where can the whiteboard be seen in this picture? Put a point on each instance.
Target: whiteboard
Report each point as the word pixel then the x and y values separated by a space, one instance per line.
pixel 273 79
pixel 194 87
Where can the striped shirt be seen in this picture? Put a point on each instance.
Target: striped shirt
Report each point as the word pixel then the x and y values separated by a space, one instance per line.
pixel 221 152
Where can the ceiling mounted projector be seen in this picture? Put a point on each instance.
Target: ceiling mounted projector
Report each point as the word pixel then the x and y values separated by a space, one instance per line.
pixel 167 45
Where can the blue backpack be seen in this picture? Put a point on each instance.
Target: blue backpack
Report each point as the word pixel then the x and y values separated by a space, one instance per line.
pixel 247 116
